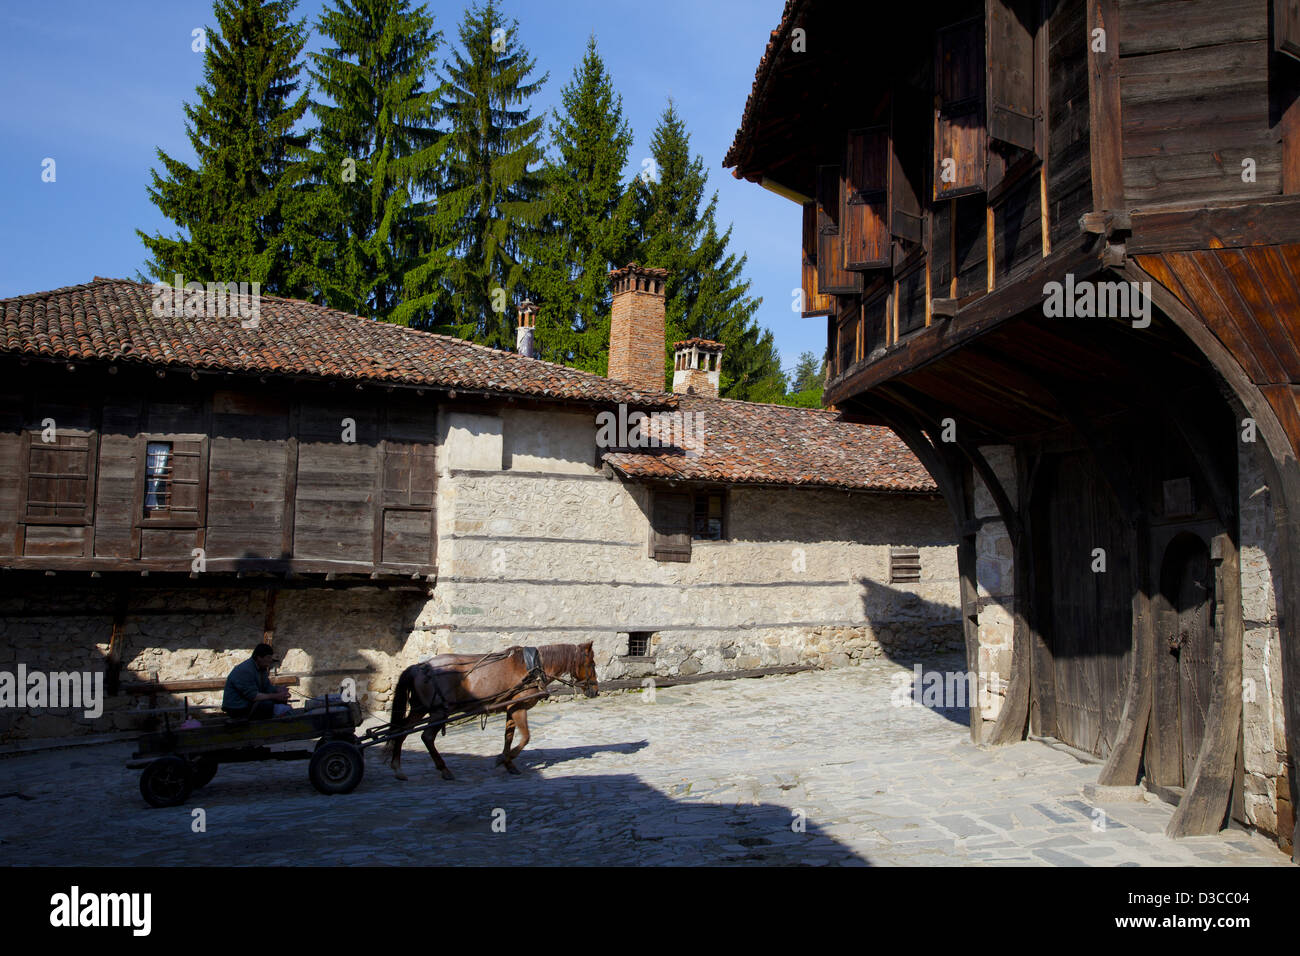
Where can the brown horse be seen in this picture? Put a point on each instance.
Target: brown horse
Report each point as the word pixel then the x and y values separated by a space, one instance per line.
pixel 449 684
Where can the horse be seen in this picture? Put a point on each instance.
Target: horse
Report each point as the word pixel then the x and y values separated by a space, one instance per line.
pixel 448 683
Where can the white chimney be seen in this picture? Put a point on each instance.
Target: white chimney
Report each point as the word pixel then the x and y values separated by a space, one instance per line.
pixel 524 333
pixel 697 366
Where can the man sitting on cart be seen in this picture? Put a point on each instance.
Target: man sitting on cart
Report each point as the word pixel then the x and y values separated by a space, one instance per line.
pixel 249 693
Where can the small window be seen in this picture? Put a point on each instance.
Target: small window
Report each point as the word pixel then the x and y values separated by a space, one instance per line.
pixel 638 643
pixel 158 478
pixel 173 481
pixel 904 565
pixel 708 517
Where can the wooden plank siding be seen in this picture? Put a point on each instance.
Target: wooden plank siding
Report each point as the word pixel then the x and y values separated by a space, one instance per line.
pixel 260 477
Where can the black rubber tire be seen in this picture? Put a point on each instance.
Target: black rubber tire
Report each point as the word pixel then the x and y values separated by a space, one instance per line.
pixel 167 782
pixel 204 769
pixel 336 766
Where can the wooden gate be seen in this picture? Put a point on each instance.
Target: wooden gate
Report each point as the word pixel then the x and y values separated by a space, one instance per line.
pixel 1184 610
pixel 1086 624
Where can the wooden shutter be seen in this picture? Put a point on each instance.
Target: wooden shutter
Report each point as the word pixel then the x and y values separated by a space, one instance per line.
pixel 959 133
pixel 1286 27
pixel 187 479
pixel 904 565
pixel 909 145
pixel 672 526
pixel 60 478
pixel 864 197
pixel 408 475
pixel 814 302
pixel 1013 106
pixel 832 277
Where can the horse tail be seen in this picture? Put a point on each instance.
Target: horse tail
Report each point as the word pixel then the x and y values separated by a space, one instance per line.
pixel 401 697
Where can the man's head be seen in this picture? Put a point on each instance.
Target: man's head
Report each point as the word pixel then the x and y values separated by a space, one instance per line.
pixel 264 657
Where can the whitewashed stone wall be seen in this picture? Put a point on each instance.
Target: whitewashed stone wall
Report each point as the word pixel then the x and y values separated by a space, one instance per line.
pixel 995 577
pixel 536 545
pixel 1267 797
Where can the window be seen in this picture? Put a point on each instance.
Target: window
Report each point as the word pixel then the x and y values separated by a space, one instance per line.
pixel 638 643
pixel 60 477
pixel 708 517
pixel 174 472
pixel 904 565
pixel 683 517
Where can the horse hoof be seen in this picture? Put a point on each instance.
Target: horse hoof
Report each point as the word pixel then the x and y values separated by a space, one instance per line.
pixel 448 775
pixel 512 768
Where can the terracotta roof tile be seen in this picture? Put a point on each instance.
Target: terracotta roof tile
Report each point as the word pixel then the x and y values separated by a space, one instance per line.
pixel 776 444
pixel 112 320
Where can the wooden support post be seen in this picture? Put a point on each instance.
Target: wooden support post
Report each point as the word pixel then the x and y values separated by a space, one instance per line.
pixel 990 222
pixel 268 622
pixel 113 663
pixel 1104 119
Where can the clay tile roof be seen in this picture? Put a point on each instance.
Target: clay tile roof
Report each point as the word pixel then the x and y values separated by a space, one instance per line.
pixel 750 443
pixel 775 43
pixel 707 344
pixel 112 320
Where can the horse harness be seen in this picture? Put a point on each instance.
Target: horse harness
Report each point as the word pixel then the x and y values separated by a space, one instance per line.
pixel 536 676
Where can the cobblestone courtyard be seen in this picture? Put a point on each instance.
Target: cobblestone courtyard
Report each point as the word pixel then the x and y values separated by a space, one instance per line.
pixel 705 774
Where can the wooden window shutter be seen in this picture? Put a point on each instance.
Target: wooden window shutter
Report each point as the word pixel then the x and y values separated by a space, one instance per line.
pixel 408 475
pixel 60 478
pixel 904 565
pixel 832 277
pixel 864 197
pixel 909 141
pixel 187 479
pixel 1013 106
pixel 960 143
pixel 1286 27
pixel 814 302
pixel 673 514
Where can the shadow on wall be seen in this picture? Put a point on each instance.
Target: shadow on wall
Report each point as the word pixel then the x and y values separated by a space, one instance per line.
pixel 912 631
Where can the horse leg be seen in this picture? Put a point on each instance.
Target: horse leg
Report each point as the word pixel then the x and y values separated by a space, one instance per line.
pixel 396 761
pixel 520 719
pixel 429 736
pixel 510 733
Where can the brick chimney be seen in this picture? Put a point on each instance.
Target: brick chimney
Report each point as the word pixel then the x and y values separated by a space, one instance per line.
pixel 636 328
pixel 526 329
pixel 697 366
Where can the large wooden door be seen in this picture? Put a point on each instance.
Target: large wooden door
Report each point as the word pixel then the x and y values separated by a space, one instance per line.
pixel 1087 625
pixel 1184 645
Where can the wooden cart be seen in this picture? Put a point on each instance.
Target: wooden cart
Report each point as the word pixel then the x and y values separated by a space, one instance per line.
pixel 176 762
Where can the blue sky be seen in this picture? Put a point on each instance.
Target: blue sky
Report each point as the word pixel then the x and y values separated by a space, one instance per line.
pixel 98 86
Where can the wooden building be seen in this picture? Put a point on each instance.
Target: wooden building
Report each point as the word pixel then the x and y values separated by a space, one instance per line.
pixel 1056 244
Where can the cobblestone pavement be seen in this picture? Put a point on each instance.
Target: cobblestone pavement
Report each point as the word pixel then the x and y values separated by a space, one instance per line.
pixel 718 772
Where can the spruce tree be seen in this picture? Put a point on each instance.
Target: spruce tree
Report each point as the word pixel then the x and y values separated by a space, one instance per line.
pixel 374 160
pixel 706 295
pixel 589 228
pixel 234 206
pixel 492 204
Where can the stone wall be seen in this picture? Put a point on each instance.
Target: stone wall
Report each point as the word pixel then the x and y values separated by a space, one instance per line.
pixel 1267 794
pixel 995 577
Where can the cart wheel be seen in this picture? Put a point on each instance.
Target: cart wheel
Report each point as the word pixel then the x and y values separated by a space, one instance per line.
pixel 336 767
pixel 167 782
pixel 203 769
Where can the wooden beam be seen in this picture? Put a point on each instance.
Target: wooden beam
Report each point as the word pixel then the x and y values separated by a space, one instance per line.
pixel 1218 226
pixel 268 620
pixel 1105 128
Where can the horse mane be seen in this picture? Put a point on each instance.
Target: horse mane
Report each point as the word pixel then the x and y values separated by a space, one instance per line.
pixel 559 658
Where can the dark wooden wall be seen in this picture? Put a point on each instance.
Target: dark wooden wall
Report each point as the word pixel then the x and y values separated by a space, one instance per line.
pixel 278 486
